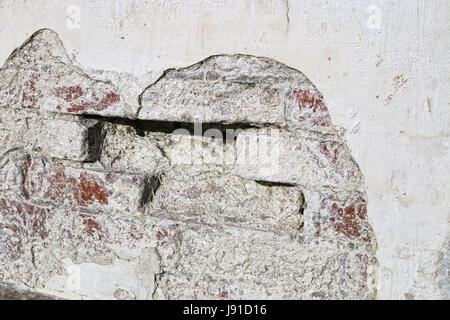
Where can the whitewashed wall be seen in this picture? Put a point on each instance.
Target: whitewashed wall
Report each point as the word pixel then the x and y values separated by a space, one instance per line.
pixel 383 67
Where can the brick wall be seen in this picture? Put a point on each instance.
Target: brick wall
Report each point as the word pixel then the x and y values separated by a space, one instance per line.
pixel 109 194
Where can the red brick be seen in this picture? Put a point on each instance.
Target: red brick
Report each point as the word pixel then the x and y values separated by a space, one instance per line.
pixel 347 217
pixel 88 189
pixel 75 99
pixel 313 113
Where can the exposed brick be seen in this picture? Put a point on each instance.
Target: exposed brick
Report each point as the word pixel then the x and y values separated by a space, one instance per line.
pixel 85 100
pixel 207 233
pixel 87 189
pixel 347 216
pixel 231 89
pixel 237 263
pixel 67 139
pixel 40 76
pixel 58 136
pixel 213 201
pixel 296 159
pixel 213 287
pixel 9 291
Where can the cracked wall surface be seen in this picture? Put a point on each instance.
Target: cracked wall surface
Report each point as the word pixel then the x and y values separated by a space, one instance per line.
pixel 222 180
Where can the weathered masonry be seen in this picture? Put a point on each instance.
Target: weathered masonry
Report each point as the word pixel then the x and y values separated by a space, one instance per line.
pixel 222 180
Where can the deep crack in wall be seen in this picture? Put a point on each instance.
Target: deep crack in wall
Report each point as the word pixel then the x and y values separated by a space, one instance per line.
pixel 222 180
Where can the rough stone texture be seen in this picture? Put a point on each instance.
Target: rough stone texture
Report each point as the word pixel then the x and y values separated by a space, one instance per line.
pixel 67 139
pixel 307 160
pixel 88 189
pixel 134 208
pixel 236 89
pixel 224 199
pixel 219 89
pixel 40 76
pixel 51 135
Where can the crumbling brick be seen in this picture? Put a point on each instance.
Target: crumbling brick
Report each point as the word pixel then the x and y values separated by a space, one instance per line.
pixel 77 139
pixel 294 158
pixel 40 76
pixel 215 202
pixel 219 89
pixel 23 218
pixel 87 189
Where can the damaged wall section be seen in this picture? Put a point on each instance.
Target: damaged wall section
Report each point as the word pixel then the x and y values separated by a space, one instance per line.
pixel 108 194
